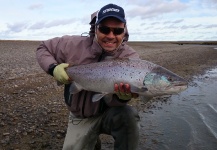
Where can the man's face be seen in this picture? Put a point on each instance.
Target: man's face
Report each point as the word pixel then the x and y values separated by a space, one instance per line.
pixel 110 33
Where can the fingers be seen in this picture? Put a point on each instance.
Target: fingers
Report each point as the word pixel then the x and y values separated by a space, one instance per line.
pixel 116 88
pixel 64 65
pixel 123 91
pixel 66 75
pixel 127 88
pixel 122 88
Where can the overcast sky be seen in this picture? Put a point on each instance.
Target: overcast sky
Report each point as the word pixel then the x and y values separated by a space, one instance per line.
pixel 147 20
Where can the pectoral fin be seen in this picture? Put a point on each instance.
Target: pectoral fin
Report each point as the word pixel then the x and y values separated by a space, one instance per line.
pixel 97 97
pixel 107 97
pixel 75 88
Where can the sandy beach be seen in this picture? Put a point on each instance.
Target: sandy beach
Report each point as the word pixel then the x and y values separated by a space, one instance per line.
pixel 32 110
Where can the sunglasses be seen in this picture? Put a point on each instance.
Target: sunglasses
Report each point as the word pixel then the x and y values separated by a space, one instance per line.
pixel 107 30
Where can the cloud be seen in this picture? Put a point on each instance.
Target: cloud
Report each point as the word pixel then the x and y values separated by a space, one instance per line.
pixel 38 25
pixel 17 27
pixel 175 21
pixel 212 26
pixel 154 23
pixel 191 26
pixel 178 21
pixel 45 24
pixel 213 1
pixel 20 26
pixel 35 6
pixel 156 8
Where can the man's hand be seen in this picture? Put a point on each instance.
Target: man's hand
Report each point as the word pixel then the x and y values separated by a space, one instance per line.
pixel 123 91
pixel 60 74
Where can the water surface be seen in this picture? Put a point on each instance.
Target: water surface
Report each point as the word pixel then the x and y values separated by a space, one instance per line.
pixel 187 121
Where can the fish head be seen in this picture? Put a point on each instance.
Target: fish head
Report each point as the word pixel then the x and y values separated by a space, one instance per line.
pixel 160 81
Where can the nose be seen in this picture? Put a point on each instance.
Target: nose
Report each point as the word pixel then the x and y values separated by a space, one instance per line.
pixel 111 34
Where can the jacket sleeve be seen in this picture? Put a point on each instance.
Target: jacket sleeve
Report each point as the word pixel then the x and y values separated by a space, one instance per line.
pixel 47 52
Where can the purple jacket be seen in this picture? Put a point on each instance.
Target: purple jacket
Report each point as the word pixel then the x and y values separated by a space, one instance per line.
pixel 80 50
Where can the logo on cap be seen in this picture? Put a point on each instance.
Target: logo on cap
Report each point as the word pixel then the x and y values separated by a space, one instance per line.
pixel 110 9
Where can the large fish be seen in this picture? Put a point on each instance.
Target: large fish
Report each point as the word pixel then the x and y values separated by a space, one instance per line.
pixel 145 78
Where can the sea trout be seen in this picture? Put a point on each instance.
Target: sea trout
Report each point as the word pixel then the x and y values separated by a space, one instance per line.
pixel 145 78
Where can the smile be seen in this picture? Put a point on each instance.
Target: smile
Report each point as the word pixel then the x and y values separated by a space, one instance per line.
pixel 109 42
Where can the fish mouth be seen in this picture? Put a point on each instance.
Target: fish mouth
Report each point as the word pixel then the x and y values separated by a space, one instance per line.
pixel 174 88
pixel 184 84
pixel 178 88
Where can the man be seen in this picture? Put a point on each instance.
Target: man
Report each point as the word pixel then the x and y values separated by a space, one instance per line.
pixel 89 119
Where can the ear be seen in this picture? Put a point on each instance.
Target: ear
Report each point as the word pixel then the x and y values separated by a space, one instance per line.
pixel 126 34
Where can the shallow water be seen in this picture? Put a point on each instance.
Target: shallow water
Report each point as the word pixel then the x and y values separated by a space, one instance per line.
pixel 187 121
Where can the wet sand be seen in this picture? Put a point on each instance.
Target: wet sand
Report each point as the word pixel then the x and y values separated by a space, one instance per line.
pixel 32 111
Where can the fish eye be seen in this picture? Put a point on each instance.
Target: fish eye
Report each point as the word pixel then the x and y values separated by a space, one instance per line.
pixel 170 79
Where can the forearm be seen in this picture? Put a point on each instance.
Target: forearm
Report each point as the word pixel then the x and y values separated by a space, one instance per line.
pixel 44 57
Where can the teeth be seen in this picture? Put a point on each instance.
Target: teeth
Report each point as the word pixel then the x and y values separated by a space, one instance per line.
pixel 109 42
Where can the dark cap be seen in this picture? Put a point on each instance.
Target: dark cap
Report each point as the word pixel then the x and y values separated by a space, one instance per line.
pixel 111 10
